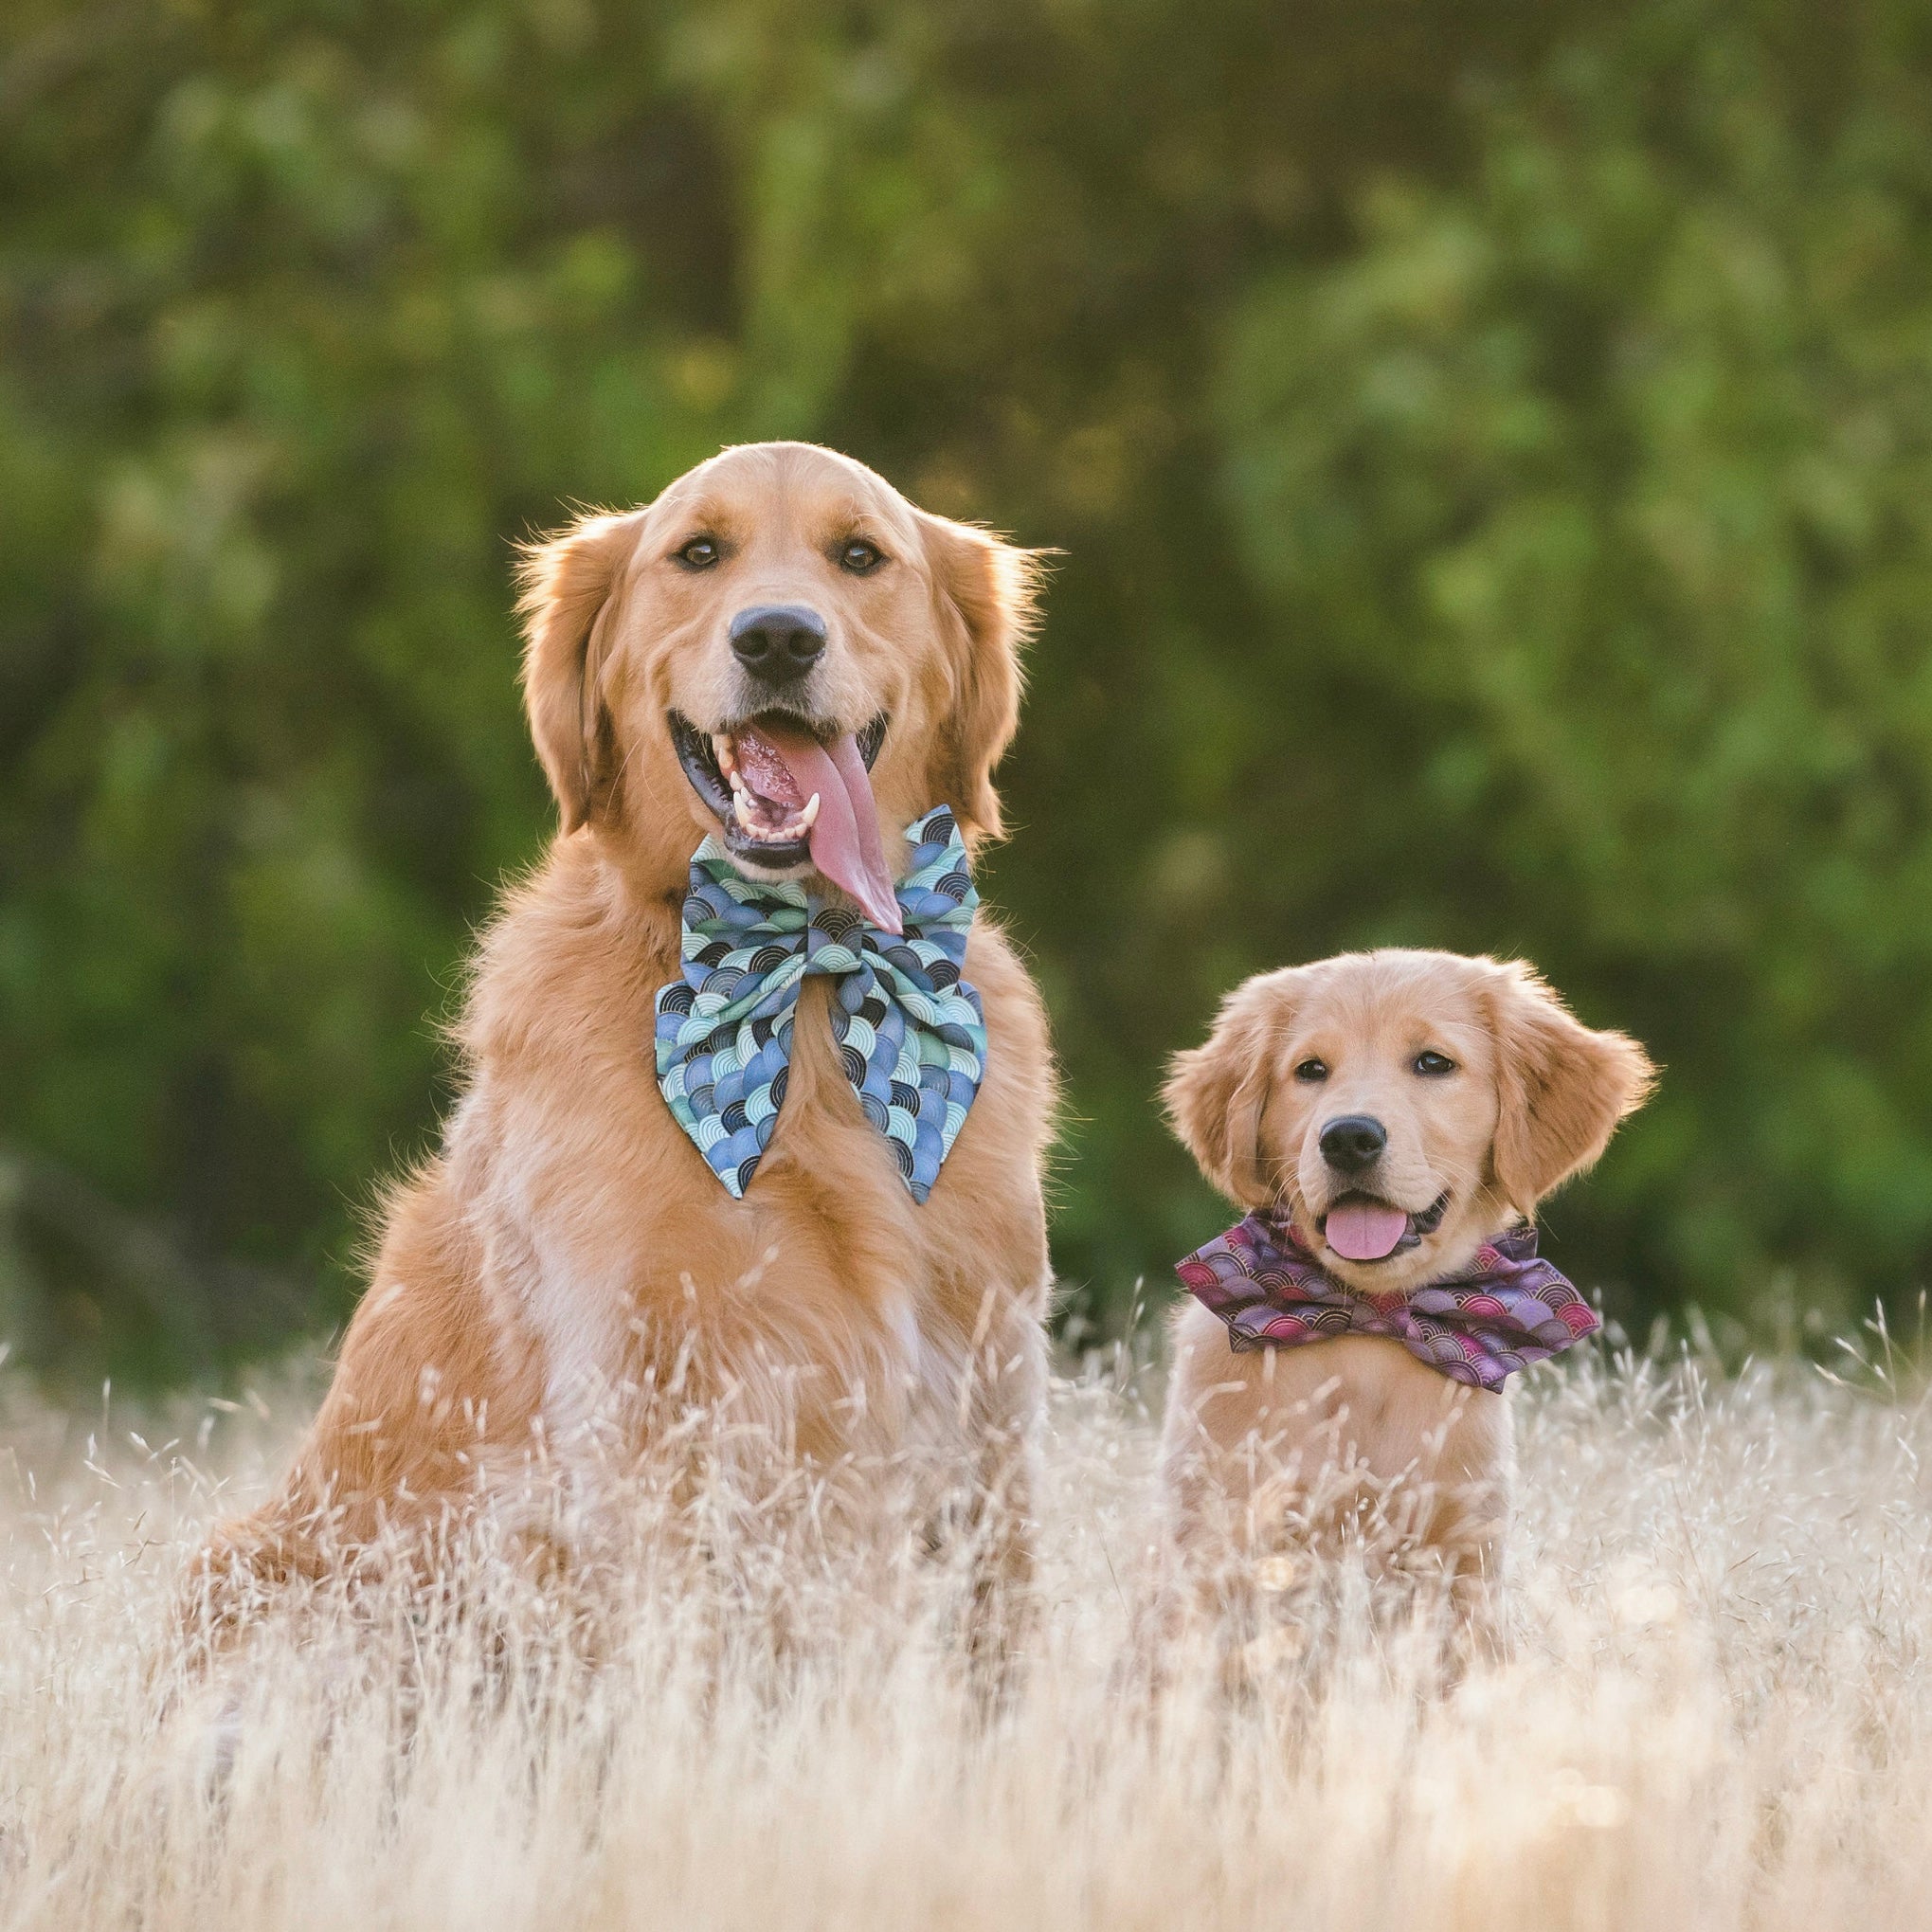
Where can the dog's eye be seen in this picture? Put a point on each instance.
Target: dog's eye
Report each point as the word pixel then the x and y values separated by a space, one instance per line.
pixel 700 554
pixel 1434 1065
pixel 1312 1071
pixel 860 557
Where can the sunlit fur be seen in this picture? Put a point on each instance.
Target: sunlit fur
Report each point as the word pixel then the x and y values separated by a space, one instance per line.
pixel 567 1278
pixel 1278 1446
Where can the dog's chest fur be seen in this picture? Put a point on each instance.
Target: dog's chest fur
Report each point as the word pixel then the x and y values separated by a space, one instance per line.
pixel 826 1306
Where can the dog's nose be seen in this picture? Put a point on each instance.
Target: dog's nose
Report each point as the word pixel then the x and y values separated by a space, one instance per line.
pixel 1353 1142
pixel 778 642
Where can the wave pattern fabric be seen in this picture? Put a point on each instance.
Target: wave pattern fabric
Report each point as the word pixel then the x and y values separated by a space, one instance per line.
pixel 1508 1308
pixel 908 1028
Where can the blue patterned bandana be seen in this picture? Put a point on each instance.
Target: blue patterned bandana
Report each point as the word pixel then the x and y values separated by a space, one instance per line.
pixel 910 1029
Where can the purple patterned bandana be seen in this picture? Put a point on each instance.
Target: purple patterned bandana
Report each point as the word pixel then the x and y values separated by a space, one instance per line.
pixel 1507 1310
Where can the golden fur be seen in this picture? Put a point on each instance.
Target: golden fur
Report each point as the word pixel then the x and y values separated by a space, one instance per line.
pixel 1289 1443
pixel 568 1254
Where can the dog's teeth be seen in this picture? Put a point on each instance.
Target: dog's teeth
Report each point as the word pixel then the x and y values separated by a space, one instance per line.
pixel 753 828
pixel 749 809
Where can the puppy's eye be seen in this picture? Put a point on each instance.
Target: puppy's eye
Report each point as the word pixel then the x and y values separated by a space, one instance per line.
pixel 1312 1071
pixel 1433 1065
pixel 700 554
pixel 860 557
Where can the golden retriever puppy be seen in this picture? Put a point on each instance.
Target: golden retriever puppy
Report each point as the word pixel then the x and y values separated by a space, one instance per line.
pixel 1390 1120
pixel 755 1103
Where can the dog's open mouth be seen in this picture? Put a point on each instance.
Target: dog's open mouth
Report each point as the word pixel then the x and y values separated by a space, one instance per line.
pixel 787 792
pixel 1364 1228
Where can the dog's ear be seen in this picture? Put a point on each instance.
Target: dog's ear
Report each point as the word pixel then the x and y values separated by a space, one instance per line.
pixel 1217 1093
pixel 567 583
pixel 984 593
pixel 1560 1087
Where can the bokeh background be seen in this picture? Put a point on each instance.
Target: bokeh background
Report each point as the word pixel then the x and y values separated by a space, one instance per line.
pixel 1490 445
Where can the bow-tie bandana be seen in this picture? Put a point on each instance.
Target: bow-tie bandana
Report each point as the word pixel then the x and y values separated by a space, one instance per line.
pixel 909 1029
pixel 1507 1310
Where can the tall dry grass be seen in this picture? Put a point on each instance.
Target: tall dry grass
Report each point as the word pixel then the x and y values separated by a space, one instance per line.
pixel 1716 1716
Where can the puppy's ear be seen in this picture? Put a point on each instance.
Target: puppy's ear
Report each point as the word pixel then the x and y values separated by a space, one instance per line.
pixel 1216 1094
pixel 983 592
pixel 567 581
pixel 1561 1088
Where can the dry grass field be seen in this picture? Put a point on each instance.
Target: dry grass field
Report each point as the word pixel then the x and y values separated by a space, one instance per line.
pixel 1717 1715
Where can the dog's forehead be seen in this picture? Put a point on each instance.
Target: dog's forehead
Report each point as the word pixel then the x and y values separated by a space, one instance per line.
pixel 785 491
pixel 1382 1001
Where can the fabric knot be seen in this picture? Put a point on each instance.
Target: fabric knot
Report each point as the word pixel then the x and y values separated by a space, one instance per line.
pixel 1507 1310
pixel 910 1030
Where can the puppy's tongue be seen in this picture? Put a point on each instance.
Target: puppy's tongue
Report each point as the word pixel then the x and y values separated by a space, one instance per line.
pixel 1364 1230
pixel 845 838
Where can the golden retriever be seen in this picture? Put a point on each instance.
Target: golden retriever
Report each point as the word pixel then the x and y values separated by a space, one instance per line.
pixel 1387 1114
pixel 568 1252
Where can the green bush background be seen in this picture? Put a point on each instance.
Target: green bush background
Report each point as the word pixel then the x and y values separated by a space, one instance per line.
pixel 1492 447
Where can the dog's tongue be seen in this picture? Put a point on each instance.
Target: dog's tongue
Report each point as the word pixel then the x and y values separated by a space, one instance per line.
pixel 1364 1230
pixel 845 838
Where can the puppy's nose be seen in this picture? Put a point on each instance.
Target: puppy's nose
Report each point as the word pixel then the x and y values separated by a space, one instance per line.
pixel 1353 1142
pixel 778 642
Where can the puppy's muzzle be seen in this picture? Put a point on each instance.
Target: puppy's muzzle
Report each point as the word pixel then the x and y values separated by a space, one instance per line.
pixel 776 644
pixel 1354 1143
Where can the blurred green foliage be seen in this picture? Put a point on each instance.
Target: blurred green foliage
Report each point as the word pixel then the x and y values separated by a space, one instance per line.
pixel 1492 451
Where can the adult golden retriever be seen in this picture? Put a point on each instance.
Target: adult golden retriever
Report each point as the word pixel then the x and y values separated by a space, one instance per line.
pixel 1398 1110
pixel 568 1254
